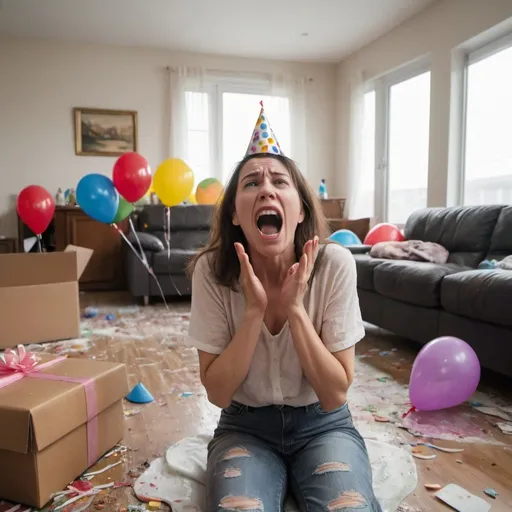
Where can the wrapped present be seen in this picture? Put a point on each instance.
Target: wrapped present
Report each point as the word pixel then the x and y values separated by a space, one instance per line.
pixel 57 417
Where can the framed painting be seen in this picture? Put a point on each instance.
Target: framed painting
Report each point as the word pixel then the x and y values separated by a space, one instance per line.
pixel 102 132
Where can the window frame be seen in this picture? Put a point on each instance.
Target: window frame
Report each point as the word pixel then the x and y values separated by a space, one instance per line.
pixel 473 56
pixel 215 84
pixel 382 87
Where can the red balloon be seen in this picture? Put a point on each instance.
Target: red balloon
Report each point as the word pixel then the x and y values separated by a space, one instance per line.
pixel 383 232
pixel 36 208
pixel 132 176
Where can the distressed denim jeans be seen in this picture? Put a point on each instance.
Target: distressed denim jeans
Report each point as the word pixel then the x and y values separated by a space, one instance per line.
pixel 259 455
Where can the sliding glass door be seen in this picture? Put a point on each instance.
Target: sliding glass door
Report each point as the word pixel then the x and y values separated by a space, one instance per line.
pixel 402 124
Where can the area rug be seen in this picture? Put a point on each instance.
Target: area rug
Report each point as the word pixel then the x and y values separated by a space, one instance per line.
pixel 178 477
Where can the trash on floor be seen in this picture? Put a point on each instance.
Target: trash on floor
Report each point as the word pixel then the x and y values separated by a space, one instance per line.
pixel 494 411
pixel 491 492
pixel 436 447
pixel 91 312
pixel 102 470
pixel 461 500
pixel 132 412
pixel 421 452
pixel 506 428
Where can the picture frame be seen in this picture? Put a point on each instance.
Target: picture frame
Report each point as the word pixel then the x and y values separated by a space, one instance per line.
pixel 105 132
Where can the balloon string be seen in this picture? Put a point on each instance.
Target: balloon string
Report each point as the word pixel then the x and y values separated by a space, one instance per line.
pixel 412 409
pixel 143 261
pixel 39 246
pixel 143 254
pixel 167 229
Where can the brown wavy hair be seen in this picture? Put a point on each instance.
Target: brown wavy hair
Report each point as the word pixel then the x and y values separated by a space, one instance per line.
pixel 223 235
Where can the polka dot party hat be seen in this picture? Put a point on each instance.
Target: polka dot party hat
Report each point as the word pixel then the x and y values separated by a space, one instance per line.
pixel 263 138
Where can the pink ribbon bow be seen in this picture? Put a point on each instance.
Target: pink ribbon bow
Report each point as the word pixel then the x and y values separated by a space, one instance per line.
pixel 16 364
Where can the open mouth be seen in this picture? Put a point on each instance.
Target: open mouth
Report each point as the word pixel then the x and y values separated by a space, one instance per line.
pixel 269 223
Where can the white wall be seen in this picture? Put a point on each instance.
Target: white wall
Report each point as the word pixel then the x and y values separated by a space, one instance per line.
pixel 440 32
pixel 40 83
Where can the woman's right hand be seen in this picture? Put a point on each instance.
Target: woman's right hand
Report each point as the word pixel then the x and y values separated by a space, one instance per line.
pixel 255 295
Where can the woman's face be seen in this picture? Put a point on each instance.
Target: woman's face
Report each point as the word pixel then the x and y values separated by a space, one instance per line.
pixel 267 206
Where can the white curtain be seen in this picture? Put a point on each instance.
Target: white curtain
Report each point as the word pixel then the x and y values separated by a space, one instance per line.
pixel 294 89
pixel 189 126
pixel 358 205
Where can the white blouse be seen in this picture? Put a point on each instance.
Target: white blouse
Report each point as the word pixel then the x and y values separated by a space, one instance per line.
pixel 275 375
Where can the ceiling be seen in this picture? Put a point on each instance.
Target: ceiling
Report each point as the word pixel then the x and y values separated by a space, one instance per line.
pixel 297 30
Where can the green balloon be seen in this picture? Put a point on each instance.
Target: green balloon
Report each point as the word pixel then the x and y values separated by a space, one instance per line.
pixel 124 209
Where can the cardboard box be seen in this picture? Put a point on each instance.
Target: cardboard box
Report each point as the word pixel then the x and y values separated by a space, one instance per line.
pixel 44 429
pixel 39 298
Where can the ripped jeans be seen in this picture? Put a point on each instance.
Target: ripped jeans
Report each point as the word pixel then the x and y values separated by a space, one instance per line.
pixel 259 455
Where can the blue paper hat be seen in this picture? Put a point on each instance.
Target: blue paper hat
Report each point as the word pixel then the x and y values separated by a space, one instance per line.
pixel 140 395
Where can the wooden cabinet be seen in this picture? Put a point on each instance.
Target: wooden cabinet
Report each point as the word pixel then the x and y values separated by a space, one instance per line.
pixel 105 270
pixel 70 225
pixel 7 245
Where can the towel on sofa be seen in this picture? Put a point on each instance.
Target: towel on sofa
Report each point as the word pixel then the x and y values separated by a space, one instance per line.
pixel 415 250
pixel 178 477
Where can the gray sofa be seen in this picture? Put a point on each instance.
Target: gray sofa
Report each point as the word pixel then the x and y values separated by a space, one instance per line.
pixel 422 301
pixel 190 230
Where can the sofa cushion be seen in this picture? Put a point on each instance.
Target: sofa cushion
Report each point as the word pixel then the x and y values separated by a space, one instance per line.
pixel 483 295
pixel 190 217
pixel 365 266
pixel 501 241
pixel 148 241
pixel 414 282
pixel 464 231
pixel 176 264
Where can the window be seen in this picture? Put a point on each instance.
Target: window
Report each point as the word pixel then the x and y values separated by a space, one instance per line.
pixel 198 136
pixel 397 119
pixel 220 122
pixel 367 181
pixel 239 114
pixel 488 145
pixel 409 115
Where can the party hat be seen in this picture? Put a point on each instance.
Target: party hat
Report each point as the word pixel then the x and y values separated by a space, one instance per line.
pixel 263 138
pixel 140 395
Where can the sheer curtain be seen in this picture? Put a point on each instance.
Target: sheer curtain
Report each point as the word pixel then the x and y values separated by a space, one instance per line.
pixel 190 120
pixel 360 172
pixel 290 94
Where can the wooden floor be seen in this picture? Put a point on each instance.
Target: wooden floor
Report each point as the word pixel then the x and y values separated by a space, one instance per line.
pixel 173 416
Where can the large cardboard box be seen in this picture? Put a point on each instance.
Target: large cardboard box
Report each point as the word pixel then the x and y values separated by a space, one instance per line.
pixel 39 298
pixel 52 430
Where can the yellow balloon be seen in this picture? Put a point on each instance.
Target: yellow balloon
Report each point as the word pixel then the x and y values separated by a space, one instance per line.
pixel 173 181
pixel 192 198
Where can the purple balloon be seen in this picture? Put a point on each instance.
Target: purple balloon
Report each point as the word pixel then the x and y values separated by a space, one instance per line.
pixel 446 373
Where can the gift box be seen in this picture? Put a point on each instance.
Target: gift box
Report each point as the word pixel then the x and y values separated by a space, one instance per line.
pixel 39 295
pixel 57 417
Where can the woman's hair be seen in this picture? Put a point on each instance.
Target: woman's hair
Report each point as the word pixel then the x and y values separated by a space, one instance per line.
pixel 223 235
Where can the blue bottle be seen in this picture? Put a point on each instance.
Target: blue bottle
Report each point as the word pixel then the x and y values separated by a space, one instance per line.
pixel 322 189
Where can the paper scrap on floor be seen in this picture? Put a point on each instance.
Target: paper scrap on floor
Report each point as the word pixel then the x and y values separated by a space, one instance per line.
pixel 460 499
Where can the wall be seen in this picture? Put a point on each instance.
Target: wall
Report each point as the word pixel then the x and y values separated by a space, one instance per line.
pixel 40 83
pixel 442 31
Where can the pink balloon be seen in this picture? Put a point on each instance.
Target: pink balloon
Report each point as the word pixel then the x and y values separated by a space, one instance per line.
pixel 446 373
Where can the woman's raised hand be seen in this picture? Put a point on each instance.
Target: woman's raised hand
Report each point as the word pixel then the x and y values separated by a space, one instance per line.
pixel 255 295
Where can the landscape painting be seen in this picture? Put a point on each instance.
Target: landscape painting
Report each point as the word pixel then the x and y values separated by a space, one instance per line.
pixel 105 132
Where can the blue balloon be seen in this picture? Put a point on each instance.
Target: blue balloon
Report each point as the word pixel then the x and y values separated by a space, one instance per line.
pixel 98 197
pixel 345 237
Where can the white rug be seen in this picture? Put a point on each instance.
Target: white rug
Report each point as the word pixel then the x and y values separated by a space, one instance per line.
pixel 178 478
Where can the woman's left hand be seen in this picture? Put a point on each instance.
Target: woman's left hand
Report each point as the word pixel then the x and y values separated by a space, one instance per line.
pixel 296 282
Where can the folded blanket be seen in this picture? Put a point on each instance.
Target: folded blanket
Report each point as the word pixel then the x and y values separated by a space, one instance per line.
pixel 415 250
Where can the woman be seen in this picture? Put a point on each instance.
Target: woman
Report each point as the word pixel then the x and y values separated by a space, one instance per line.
pixel 275 318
